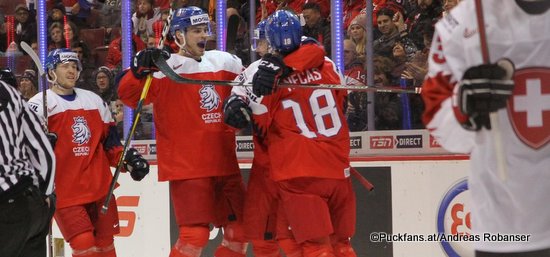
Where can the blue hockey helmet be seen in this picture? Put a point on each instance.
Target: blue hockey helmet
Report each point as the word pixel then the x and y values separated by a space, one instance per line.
pixel 61 55
pixel 188 16
pixel 259 34
pixel 284 31
pixel 259 31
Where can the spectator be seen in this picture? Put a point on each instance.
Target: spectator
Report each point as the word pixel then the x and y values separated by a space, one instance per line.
pixel 390 34
pixel 25 24
pixel 268 7
pixel 358 34
pixel 352 8
pixel 417 68
pixel 144 17
pixel 3 34
pixel 402 57
pixel 103 84
pixel 110 14
pixel 354 74
pixel 324 7
pixel 316 26
pixel 387 108
pixel 56 36
pixel 56 14
pixel 88 67
pixel 28 85
pixel 114 54
pixel 70 32
pixel 428 11
pixel 78 11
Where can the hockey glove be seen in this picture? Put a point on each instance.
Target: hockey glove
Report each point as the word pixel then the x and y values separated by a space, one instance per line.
pixel 52 137
pixel 236 112
pixel 270 71
pixel 136 164
pixel 485 89
pixel 143 63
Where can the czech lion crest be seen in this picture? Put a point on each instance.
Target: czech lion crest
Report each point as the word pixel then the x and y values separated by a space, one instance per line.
pixel 81 131
pixel 210 100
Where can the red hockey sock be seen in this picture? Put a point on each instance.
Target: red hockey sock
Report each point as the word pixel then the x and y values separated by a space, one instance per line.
pixel 290 247
pixel 343 248
pixel 105 246
pixel 83 245
pixel 191 241
pixel 233 243
pixel 265 248
pixel 317 249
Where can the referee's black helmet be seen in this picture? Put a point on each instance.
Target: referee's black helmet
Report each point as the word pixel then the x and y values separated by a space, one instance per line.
pixel 7 76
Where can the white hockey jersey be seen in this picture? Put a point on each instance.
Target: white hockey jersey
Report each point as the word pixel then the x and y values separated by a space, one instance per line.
pixel 517 205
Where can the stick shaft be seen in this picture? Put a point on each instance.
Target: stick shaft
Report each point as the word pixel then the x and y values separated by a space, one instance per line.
pixel 112 186
pixel 494 118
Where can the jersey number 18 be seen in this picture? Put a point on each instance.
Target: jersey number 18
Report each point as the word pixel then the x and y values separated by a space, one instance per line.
pixel 318 114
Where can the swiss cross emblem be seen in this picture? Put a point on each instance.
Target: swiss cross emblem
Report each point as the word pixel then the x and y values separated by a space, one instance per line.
pixel 529 107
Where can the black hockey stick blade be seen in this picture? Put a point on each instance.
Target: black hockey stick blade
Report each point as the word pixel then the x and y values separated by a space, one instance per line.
pixel 160 62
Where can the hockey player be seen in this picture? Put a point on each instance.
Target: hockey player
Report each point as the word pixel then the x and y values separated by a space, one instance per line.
pixel 261 201
pixel 461 93
pixel 196 150
pixel 313 179
pixel 27 169
pixel 88 144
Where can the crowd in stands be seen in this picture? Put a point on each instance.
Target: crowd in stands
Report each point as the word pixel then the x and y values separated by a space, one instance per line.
pixel 402 37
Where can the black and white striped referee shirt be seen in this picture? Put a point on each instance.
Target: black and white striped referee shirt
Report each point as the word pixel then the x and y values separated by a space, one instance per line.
pixel 24 147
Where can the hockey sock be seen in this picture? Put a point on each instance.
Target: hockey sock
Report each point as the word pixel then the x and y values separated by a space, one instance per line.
pixel 233 243
pixel 342 248
pixel 316 248
pixel 265 248
pixel 290 247
pixel 191 241
pixel 83 245
pixel 105 246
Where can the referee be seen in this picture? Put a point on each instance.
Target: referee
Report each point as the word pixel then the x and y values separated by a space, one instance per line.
pixel 27 169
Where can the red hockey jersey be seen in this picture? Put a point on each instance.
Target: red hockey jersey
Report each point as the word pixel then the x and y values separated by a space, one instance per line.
pixel 306 129
pixel 192 139
pixel 82 125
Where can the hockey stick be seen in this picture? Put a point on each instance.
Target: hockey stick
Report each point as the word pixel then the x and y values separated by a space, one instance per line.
pixel 365 182
pixel 41 74
pixel 494 119
pixel 139 106
pixel 160 62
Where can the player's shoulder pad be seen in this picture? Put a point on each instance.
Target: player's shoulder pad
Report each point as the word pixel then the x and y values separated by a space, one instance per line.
pixel 35 103
pixel 225 61
pixel 458 18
